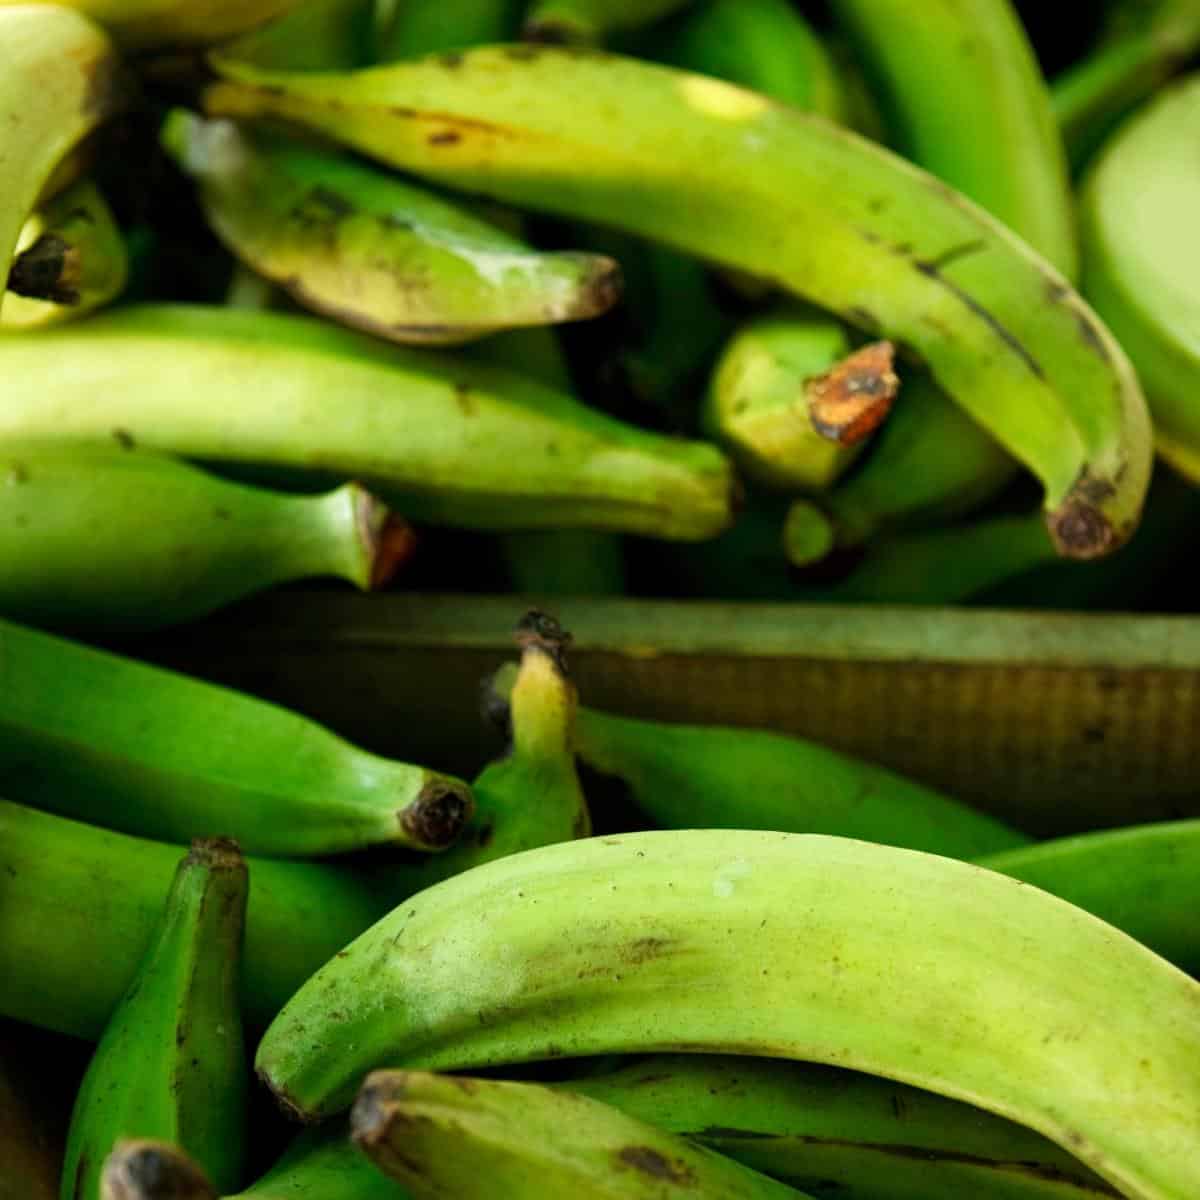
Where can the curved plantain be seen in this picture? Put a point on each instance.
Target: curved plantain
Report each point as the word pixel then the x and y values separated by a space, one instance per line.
pixel 474 1139
pixel 1142 261
pixel 730 176
pixel 372 251
pixel 907 965
pixel 445 439
pixel 592 20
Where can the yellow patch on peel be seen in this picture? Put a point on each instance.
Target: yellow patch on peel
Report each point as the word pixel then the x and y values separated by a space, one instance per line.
pixel 717 98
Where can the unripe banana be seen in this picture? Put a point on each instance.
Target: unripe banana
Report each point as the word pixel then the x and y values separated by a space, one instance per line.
pixel 765 45
pixel 1092 95
pixel 840 1133
pixel 447 440
pixel 592 20
pixel 710 777
pixel 78 906
pixel 1137 211
pixel 792 404
pixel 60 81
pixel 72 260
pixel 137 748
pixel 144 1169
pixel 532 796
pixel 1144 879
pixel 79 546
pixel 408 30
pixel 372 251
pixel 444 1135
pixel 936 566
pixel 171 1064
pixel 930 464
pixel 158 24
pixel 317 35
pixel 729 176
pixel 911 966
pixel 963 97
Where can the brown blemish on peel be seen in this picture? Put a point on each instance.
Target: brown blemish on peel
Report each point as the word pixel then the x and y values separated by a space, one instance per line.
pixel 650 1162
pixel 852 399
pixel 445 137
pixel 537 630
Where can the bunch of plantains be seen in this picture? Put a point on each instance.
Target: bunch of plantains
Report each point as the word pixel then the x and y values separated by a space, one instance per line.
pixel 696 298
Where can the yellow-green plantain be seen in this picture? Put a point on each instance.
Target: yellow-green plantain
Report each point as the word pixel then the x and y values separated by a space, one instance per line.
pixel 790 402
pixel 765 45
pixel 445 439
pixel 78 906
pixel 531 796
pixel 839 1133
pixel 1093 95
pixel 443 1135
pixel 712 777
pixel 71 261
pixel 592 20
pixel 81 548
pixel 145 1169
pixel 894 962
pixel 372 251
pixel 728 175
pixel 138 748
pixel 171 1064
pixel 155 24
pixel 929 464
pixel 1141 260
pixel 60 81
pixel 963 97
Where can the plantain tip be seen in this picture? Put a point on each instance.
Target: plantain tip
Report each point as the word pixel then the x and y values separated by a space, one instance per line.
pixel 436 818
pixel 217 853
pixel 851 400
pixel 389 539
pixel 374 1107
pixel 1078 527
pixel 147 1170
pixel 539 632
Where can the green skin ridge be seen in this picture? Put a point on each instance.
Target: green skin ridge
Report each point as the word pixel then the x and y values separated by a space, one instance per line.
pixel 591 20
pixel 55 54
pixel 1137 208
pixel 103 738
pixel 82 549
pixel 729 176
pixel 854 1136
pixel 757 402
pixel 443 439
pixel 963 96
pixel 773 945
pixel 171 1064
pixel 372 251
pixel 73 262
pixel 78 906
pixel 479 1138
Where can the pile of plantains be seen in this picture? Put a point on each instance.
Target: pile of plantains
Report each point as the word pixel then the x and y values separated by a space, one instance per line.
pixel 284 288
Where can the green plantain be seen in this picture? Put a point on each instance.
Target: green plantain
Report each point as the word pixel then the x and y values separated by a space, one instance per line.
pixel 592 20
pixel 171 1064
pixel 728 175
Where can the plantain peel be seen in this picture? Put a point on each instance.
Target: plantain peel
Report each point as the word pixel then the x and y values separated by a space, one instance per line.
pixel 61 80
pixel 732 177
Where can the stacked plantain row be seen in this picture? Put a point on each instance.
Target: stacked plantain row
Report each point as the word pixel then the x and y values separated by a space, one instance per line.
pixel 838 300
